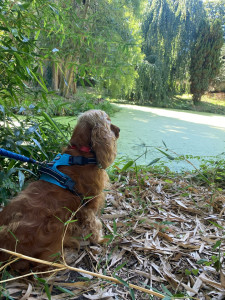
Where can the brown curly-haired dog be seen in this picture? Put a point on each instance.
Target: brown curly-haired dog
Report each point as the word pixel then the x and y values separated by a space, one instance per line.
pixel 34 222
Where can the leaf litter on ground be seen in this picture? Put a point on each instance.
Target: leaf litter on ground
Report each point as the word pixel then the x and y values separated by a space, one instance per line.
pixel 165 233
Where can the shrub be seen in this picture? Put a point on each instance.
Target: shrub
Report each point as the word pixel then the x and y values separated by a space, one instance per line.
pixel 31 136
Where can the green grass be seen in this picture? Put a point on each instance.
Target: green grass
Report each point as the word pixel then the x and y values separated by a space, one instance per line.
pixel 91 98
pixel 210 102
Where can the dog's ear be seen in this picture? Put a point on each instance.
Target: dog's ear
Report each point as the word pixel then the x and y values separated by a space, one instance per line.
pixel 81 135
pixel 103 143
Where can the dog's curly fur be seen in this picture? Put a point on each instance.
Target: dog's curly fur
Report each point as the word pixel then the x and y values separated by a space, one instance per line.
pixel 34 222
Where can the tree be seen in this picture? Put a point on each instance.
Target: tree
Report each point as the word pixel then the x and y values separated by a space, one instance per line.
pixel 20 26
pixel 120 53
pixel 205 58
pixel 168 31
pixel 100 41
pixel 216 10
pixel 149 84
pixel 68 39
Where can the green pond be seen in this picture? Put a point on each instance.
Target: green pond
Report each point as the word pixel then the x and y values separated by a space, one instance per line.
pixel 183 133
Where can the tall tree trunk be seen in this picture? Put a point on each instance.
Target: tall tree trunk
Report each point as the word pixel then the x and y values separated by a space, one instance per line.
pixel 74 86
pixel 63 77
pixel 69 79
pixel 196 98
pixel 55 76
pixel 66 77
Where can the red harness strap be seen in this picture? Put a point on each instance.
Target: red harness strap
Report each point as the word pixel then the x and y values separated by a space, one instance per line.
pixel 82 148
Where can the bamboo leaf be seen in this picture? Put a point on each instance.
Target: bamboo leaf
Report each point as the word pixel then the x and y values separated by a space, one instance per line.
pixel 47 291
pixel 70 221
pixel 120 267
pixel 54 125
pixel 154 161
pixel 166 154
pixel 64 290
pixel 122 281
pixel 87 236
pixel 127 165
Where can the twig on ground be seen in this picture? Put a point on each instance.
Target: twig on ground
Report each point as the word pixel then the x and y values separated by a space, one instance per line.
pixel 62 266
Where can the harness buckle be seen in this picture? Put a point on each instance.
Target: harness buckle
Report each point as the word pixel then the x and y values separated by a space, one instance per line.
pixel 78 160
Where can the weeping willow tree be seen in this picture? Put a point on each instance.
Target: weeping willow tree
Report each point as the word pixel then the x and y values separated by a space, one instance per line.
pixel 149 84
pixel 168 31
pixel 118 46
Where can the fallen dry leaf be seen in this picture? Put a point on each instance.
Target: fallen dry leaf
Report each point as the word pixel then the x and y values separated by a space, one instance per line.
pixel 160 228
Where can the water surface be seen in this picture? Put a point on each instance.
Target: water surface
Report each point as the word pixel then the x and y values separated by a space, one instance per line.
pixel 183 133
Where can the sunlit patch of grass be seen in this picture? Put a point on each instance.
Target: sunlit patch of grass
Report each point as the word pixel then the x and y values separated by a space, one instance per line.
pixel 214 98
pixel 185 96
pixel 210 102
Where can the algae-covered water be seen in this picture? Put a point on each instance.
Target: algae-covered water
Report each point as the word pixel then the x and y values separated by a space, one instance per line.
pixel 183 133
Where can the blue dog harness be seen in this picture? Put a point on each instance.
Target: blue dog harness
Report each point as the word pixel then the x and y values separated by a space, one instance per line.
pixel 50 172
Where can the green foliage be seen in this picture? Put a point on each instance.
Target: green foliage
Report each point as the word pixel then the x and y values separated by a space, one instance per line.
pixel 59 106
pixel 149 84
pixel 169 29
pixel 218 83
pixel 214 171
pixel 97 43
pixel 68 41
pixel 205 58
pixel 168 32
pixel 31 136
pixel 20 25
pixel 118 55
pixel 216 10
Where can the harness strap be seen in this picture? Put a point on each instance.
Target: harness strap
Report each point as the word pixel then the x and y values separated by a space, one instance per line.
pixel 64 181
pixel 50 172
pixel 81 160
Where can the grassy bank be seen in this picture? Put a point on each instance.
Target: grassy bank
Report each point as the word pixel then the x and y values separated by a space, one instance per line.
pixel 211 102
pixel 91 98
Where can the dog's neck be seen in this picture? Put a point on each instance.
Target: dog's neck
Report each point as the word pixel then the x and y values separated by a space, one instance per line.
pixel 82 148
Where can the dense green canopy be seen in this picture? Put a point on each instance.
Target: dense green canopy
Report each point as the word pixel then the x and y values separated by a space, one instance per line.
pixel 138 48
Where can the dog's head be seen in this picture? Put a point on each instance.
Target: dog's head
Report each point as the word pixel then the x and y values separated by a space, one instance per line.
pixel 94 129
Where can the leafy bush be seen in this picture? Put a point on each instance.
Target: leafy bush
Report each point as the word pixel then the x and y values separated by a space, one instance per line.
pixel 31 136
pixel 58 106
pixel 214 171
